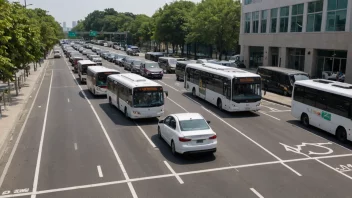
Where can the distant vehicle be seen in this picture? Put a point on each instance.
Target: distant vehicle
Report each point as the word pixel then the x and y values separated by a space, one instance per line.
pixel 187 133
pixel 133 51
pixel 75 63
pixel 73 54
pixel 136 66
pixel 324 104
pixel 116 46
pixel 119 61
pixel 97 60
pixel 82 69
pixel 180 69
pixel 168 64
pixel 154 56
pixel 91 56
pixel 238 60
pixel 111 57
pixel 97 51
pixel 127 63
pixel 105 55
pixel 151 69
pixel 57 54
pixel 136 96
pixel 94 49
pixel 85 52
pixel 105 45
pixel 280 79
pixel 228 88
pixel 97 78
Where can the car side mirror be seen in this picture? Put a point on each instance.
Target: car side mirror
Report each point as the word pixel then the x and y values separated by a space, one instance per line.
pixel 166 93
pixel 208 121
pixel 161 121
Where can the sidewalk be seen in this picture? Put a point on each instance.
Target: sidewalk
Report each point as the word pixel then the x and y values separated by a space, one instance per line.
pixel 13 112
pixel 276 98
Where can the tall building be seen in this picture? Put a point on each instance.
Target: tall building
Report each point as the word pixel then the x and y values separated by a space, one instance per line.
pixel 64 26
pixel 314 36
pixel 74 23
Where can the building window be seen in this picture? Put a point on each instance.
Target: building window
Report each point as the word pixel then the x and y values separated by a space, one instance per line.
pixel 255 22
pixel 296 58
pixel 284 11
pixel 247 25
pixel 297 18
pixel 246 2
pixel 273 20
pixel 263 21
pixel 336 15
pixel 314 18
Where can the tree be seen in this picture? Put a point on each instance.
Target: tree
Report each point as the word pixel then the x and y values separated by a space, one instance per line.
pixel 216 22
pixel 134 27
pixel 171 25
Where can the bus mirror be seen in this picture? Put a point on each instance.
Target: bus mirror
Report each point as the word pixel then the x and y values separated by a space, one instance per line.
pixel 166 93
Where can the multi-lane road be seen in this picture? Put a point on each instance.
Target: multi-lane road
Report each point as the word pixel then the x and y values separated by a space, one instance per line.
pixel 72 144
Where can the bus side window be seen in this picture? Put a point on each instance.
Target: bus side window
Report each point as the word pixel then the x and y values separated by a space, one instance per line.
pixel 298 94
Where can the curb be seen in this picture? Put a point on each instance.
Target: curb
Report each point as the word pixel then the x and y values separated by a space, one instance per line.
pixel 4 143
pixel 274 101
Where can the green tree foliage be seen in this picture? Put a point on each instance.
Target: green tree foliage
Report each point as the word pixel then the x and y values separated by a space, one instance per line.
pixel 24 35
pixel 216 22
pixel 171 24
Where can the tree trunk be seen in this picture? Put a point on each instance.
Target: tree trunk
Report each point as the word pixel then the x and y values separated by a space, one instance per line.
pixel 195 50
pixel 182 48
pixel 16 84
pixel 9 91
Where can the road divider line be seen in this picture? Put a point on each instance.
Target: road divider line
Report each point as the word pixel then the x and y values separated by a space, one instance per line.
pixel 173 172
pixel 293 170
pixel 37 168
pixel 177 104
pixel 8 163
pixel 145 135
pixel 68 100
pixel 256 193
pixel 76 147
pixel 100 173
pixel 269 115
pixel 118 159
pixel 168 85
pixel 172 175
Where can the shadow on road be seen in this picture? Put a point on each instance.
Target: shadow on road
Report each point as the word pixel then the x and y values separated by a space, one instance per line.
pixel 116 115
pixel 320 133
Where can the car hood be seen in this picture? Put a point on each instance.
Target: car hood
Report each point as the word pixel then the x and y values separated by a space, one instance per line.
pixel 154 69
pixel 96 59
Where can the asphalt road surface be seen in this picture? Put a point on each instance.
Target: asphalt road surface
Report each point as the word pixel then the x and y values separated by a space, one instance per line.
pixel 73 144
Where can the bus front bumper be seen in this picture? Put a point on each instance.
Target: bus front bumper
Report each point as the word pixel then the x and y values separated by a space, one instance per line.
pixel 238 108
pixel 137 115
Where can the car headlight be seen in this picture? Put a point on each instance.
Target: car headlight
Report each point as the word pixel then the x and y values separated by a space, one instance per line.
pixel 136 112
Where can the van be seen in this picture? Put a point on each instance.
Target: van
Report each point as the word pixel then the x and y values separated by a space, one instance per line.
pixel 280 80
pixel 168 64
pixel 154 56
pixel 180 69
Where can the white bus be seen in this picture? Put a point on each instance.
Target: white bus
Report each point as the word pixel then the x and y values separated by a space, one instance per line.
pixel 82 67
pixel 97 77
pixel 135 96
pixel 228 88
pixel 324 104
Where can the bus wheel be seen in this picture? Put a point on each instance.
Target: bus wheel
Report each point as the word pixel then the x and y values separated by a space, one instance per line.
pixel 305 119
pixel 194 91
pixel 126 114
pixel 341 134
pixel 219 104
pixel 110 102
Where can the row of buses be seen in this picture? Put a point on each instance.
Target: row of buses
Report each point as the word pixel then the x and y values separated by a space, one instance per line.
pixel 322 103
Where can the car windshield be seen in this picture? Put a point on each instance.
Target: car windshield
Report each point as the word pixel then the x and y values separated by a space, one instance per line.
pixel 148 97
pixel 298 77
pixel 243 92
pixel 193 125
pixel 151 65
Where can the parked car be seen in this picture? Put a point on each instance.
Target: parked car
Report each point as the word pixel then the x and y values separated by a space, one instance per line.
pixel 132 51
pixel 180 69
pixel 111 57
pixel 91 56
pixel 187 133
pixel 135 66
pixel 151 69
pixel 280 79
pixel 57 54
pixel 127 63
pixel 101 52
pixel 105 55
pixel 119 61
pixel 97 60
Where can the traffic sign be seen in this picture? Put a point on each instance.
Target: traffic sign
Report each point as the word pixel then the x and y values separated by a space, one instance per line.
pixel 93 33
pixel 71 34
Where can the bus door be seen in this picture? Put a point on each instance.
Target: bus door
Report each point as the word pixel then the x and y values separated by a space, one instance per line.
pixel 202 85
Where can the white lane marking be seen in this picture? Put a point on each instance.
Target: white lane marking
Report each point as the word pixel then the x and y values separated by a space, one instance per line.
pixel 256 193
pixel 250 139
pixel 100 173
pixel 172 175
pixel 269 115
pixel 177 104
pixel 76 147
pixel 68 100
pixel 145 135
pixel 24 190
pixel 173 172
pixel 20 134
pixel 280 111
pixel 275 103
pixel 119 161
pixel 168 86
pixel 293 170
pixel 39 157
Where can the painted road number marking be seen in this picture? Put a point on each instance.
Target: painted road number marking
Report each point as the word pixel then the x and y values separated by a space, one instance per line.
pixel 17 191
pixel 345 168
pixel 297 148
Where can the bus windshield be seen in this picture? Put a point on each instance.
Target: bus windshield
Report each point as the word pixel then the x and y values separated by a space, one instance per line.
pixel 102 78
pixel 246 92
pixel 148 97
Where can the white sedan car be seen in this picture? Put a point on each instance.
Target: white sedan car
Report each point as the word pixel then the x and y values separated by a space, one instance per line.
pixel 187 133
